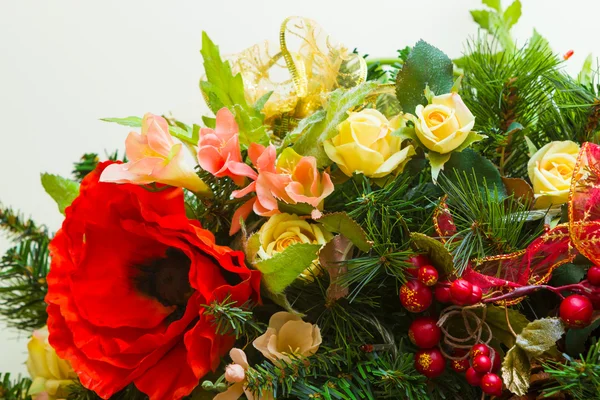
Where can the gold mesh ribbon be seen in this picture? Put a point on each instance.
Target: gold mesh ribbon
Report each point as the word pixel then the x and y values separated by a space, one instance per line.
pixel 300 71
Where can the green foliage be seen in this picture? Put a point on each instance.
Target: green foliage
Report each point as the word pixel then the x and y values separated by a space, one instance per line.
pixel 132 121
pixel 497 22
pixel 177 129
pixel 340 222
pixel 17 227
pixel 14 389
pixel 62 190
pixel 414 77
pixel 495 317
pixel 516 370
pixel 436 251
pixel 223 89
pixel 575 339
pixel 229 318
pixel 89 162
pixel 469 162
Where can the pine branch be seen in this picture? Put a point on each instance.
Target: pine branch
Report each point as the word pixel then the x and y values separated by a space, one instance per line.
pixel 14 389
pixel 230 319
pixel 18 227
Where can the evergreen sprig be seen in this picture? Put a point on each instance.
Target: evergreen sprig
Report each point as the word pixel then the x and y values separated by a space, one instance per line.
pixel 14 389
pixel 18 227
pixel 228 318
pixel 580 378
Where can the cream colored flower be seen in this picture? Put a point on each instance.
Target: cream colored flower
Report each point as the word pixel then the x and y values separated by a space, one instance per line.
pixel 365 145
pixel 287 335
pixel 444 125
pixel 550 170
pixel 50 374
pixel 283 230
pixel 235 374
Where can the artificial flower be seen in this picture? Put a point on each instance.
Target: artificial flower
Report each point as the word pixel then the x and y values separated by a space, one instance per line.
pixel 219 149
pixel 445 124
pixel 155 156
pixel 51 375
pixel 290 178
pixel 235 374
pixel 550 170
pixel 129 273
pixel 365 145
pixel 283 230
pixel 287 335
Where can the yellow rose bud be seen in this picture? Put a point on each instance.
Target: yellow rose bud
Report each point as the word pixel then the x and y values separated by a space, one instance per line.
pixel 366 146
pixel 550 170
pixel 444 124
pixel 283 230
pixel 50 374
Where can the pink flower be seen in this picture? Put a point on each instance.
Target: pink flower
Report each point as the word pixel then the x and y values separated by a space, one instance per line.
pixel 291 178
pixel 155 157
pixel 219 150
pixel 236 375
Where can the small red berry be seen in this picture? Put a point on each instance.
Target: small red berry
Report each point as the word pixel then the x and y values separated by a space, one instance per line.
pixel 442 294
pixel 593 275
pixel 424 332
pixel 415 296
pixel 460 291
pixel 568 54
pixel 460 365
pixel 476 295
pixel 419 260
pixel 576 311
pixel 482 364
pixel 491 383
pixel 480 349
pixel 428 275
pixel 473 377
pixel 430 362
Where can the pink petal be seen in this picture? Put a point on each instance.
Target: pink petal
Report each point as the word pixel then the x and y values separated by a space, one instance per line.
pixel 241 169
pixel 243 192
pixel 136 146
pixel 157 131
pixel 210 159
pixel 118 173
pixel 226 127
pixel 233 392
pixel 254 152
pixel 241 213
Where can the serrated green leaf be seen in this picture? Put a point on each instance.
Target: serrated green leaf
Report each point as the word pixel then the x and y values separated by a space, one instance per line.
pixel 436 251
pixel 284 268
pixel 512 14
pixel 425 66
pixel 540 335
pixel 471 162
pixel 482 18
pixel 495 4
pixel 341 223
pixel 495 317
pixel 310 142
pixel 62 190
pixel 516 371
pixel 437 162
pixel 127 121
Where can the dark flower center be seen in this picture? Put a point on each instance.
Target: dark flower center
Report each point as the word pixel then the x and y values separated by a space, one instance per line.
pixel 167 280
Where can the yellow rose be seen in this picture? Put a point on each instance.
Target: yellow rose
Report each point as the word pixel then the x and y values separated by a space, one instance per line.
pixel 288 335
pixel 365 145
pixel 283 230
pixel 444 125
pixel 550 170
pixel 50 374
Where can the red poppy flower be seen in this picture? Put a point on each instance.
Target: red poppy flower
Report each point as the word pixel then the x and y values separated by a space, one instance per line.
pixel 128 277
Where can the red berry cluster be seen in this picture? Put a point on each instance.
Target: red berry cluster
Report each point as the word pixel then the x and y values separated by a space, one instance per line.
pixel 484 362
pixel 416 295
pixel 425 334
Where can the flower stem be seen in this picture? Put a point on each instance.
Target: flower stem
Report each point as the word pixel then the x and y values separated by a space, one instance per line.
pixel 384 61
pixel 525 290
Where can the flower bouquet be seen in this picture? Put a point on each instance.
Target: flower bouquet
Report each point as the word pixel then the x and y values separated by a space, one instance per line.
pixel 342 228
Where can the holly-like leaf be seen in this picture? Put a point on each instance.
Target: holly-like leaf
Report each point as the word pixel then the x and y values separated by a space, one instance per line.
pixel 540 335
pixel 425 66
pixel 62 190
pixel 436 251
pixel 516 371
pixel 471 162
pixel 495 317
pixel 284 268
pixel 341 223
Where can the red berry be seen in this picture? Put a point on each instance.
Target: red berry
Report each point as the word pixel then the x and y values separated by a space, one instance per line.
pixel 576 311
pixel 480 349
pixel 476 295
pixel 430 362
pixel 491 384
pixel 424 333
pixel 460 291
pixel 419 260
pixel 460 365
pixel 415 296
pixel 473 377
pixel 442 294
pixel 428 275
pixel 593 275
pixel 482 364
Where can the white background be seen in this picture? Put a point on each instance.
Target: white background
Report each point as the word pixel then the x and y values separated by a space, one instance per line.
pixel 66 63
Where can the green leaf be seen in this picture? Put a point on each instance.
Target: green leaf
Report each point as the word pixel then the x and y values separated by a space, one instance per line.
pixel 284 268
pixel 437 162
pixel 127 121
pixel 210 122
pixel 251 246
pixel 260 103
pixel 251 127
pixel 516 371
pixel 482 18
pixel 340 222
pixel 62 190
pixel 585 76
pixel 436 251
pixel 310 143
pixel 495 317
pixel 540 335
pixel 425 66
pixel 298 208
pixel 530 146
pixel 539 42
pixel 304 126
pixel 495 4
pixel 472 137
pixel 576 338
pixel 512 14
pixel 406 132
pixel 471 162
pixel 568 274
